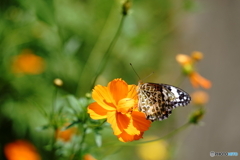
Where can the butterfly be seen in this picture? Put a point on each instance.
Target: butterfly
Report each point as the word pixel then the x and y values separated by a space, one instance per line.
pixel 157 100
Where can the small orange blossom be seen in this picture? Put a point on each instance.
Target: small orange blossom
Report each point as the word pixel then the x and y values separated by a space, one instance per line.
pixel 88 157
pixel 199 98
pixel 188 67
pixel 21 150
pixel 28 63
pixel 118 103
pixel 66 135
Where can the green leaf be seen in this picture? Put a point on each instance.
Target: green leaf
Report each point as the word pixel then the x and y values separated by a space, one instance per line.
pixel 73 102
pixel 98 139
pixel 72 124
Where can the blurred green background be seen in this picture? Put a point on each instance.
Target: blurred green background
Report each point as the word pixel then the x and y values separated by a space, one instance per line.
pixel 70 38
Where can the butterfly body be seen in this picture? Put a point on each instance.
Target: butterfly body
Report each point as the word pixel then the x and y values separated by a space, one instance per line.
pixel 158 100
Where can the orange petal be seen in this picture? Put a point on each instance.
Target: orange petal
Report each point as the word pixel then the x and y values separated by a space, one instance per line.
pixel 196 80
pixel 125 137
pixel 132 91
pixel 125 104
pixel 118 88
pixel 21 150
pixel 140 121
pixel 199 97
pixel 118 122
pixel 88 157
pixel 101 95
pixel 196 55
pixel 204 82
pixel 111 118
pixel 132 130
pixel 138 124
pixel 137 137
pixel 183 59
pixel 65 135
pixel 96 111
pixel 29 63
pixel 122 121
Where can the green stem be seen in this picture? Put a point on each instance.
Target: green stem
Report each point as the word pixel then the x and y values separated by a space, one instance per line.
pixel 82 141
pixel 169 134
pixel 107 54
pixel 98 47
pixel 99 125
pixel 164 137
pixel 53 124
pixel 53 106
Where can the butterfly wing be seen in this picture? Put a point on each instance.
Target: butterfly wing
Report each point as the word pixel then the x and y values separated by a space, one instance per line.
pixel 181 98
pixel 158 100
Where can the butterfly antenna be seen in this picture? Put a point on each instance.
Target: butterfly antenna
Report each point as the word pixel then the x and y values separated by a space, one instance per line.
pixel 135 71
pixel 148 75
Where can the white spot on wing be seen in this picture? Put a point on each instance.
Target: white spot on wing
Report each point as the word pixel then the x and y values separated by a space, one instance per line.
pixel 174 91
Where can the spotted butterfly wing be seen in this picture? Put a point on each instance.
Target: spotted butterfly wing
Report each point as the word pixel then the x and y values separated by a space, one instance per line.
pixel 158 100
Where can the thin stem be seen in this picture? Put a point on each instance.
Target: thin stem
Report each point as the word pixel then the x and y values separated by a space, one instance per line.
pixel 97 47
pixel 169 134
pixel 107 54
pixel 99 125
pixel 73 153
pixel 82 141
pixel 164 137
pixel 53 105
pixel 53 124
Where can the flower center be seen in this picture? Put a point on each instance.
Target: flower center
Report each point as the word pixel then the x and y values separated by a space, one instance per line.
pixel 125 105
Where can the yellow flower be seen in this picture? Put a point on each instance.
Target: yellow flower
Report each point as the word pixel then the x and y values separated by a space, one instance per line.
pixel 65 135
pixel 188 68
pixel 118 103
pixel 157 150
pixel 21 150
pixel 199 98
pixel 28 63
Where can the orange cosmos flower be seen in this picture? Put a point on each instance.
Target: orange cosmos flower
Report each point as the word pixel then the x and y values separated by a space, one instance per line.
pixel 118 103
pixel 88 157
pixel 188 67
pixel 28 63
pixel 199 98
pixel 21 150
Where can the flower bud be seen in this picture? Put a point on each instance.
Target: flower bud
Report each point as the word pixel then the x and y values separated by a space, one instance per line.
pixel 197 56
pixel 183 59
pixel 196 116
pixel 58 82
pixel 125 7
pixel 188 69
